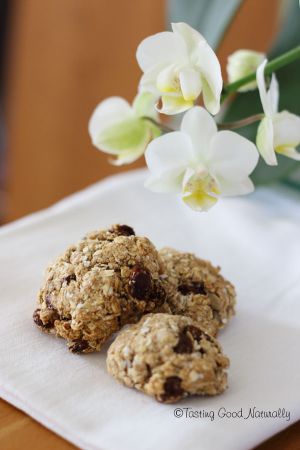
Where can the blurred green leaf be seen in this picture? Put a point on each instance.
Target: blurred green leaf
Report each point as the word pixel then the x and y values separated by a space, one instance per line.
pixel 210 17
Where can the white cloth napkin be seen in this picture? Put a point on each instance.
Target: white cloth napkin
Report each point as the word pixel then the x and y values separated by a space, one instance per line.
pixel 256 240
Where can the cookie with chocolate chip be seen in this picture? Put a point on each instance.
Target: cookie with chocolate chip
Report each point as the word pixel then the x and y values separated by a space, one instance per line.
pixel 168 357
pixel 108 279
pixel 196 288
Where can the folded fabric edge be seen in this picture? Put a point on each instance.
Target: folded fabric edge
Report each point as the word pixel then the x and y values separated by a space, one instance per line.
pixel 44 420
pixel 60 431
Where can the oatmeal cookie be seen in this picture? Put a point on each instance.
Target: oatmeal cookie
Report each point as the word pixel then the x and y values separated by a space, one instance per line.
pixel 110 278
pixel 196 289
pixel 168 357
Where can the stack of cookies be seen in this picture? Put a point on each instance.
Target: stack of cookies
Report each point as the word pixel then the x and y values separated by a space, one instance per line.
pixel 174 302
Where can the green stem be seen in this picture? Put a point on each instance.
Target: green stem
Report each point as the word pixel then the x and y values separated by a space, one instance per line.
pixel 240 123
pixel 275 64
pixel 222 126
pixel 164 128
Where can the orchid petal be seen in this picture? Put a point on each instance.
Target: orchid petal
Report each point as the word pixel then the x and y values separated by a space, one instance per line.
pixel 289 152
pixel 108 112
pixel 190 36
pixel 201 128
pixel 264 141
pixel 144 105
pixel 232 156
pixel 261 84
pixel 161 48
pixel 167 80
pixel 169 183
pixel 190 83
pixel 273 95
pixel 231 188
pixel 211 102
pixel 148 81
pixel 209 66
pixel 200 191
pixel 131 154
pixel 286 133
pixel 167 158
pixel 173 104
pixel 129 135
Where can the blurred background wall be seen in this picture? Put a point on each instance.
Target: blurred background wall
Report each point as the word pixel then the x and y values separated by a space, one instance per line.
pixel 59 59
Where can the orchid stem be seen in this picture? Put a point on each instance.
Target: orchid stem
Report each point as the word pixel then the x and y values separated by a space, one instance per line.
pixel 240 123
pixel 164 128
pixel 275 64
pixel 222 126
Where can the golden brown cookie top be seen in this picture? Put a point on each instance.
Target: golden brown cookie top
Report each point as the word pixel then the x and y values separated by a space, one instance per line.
pixel 168 357
pixel 197 289
pixel 109 278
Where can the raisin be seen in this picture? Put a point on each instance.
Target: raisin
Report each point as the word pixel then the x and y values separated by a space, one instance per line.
pixel 184 344
pixel 64 318
pixel 192 288
pixel 149 372
pixel 172 389
pixel 37 320
pixel 48 302
pixel 69 278
pixel 78 345
pixel 195 332
pixel 123 230
pixel 140 283
pixel 158 295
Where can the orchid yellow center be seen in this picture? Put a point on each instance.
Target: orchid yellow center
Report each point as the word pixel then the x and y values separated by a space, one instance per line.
pixel 200 191
pixel 168 81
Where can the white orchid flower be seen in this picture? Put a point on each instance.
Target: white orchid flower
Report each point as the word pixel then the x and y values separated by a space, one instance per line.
pixel 179 65
pixel 278 131
pixel 240 64
pixel 200 162
pixel 119 129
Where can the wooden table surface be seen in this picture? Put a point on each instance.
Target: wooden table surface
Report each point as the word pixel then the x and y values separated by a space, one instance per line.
pixel 52 90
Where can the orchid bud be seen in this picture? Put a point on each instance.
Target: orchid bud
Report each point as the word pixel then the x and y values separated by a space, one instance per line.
pixel 242 63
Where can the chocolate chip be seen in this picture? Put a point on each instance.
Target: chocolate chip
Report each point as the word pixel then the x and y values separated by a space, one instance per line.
pixel 123 230
pixel 69 278
pixel 184 344
pixel 192 288
pixel 78 345
pixel 172 389
pixel 140 283
pixel 37 320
